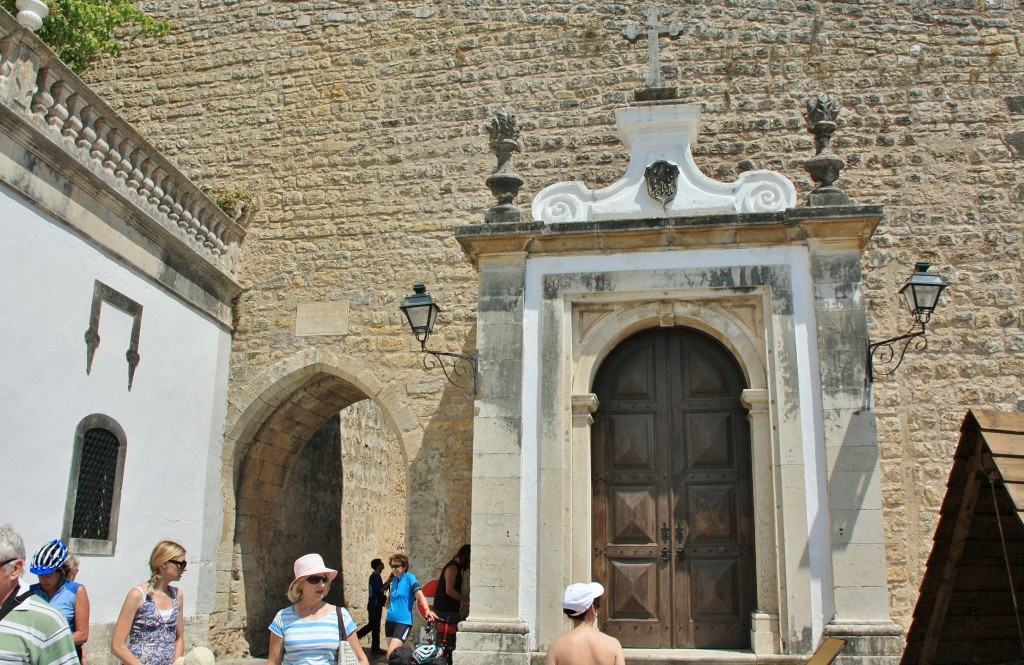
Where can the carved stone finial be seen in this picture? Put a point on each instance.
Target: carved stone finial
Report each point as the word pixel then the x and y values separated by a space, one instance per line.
pixel 655 87
pixel 504 183
pixel 825 166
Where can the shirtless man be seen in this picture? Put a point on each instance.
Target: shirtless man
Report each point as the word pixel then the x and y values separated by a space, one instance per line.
pixel 584 644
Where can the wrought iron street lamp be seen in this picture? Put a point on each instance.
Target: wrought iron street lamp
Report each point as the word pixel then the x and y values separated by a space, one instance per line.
pixel 421 311
pixel 921 293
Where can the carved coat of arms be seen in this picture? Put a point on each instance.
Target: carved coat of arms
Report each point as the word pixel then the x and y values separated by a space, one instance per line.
pixel 661 179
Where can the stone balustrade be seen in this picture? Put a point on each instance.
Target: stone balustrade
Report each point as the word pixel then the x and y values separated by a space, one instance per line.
pixel 40 89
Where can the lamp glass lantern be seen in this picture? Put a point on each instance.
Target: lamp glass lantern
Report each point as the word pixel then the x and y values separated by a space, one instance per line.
pixel 922 292
pixel 421 311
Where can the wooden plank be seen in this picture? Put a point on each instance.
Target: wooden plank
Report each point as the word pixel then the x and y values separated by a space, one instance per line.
pixel 827 652
pixel 989 420
pixel 1016 493
pixel 1005 444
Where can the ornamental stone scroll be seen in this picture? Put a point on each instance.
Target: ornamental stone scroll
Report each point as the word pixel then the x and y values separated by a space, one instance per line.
pixel 659 139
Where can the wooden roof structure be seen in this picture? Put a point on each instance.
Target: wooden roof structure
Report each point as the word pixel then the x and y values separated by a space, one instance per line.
pixel 972 595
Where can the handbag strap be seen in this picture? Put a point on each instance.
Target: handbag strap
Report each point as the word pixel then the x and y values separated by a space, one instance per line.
pixel 341 624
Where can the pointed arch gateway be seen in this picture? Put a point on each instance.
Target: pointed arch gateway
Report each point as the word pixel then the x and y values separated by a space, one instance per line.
pixel 672 493
pixel 284 481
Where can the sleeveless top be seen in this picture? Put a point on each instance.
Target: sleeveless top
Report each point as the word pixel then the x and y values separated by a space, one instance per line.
pixel 442 601
pixel 151 637
pixel 63 600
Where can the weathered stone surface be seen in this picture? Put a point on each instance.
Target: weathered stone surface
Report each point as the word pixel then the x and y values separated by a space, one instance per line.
pixel 360 130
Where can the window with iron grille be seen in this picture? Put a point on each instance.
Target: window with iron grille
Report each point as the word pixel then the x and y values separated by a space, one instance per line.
pixel 95 485
pixel 94 492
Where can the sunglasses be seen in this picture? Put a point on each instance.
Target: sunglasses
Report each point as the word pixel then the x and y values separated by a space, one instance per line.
pixel 182 565
pixel 4 563
pixel 397 566
pixel 317 579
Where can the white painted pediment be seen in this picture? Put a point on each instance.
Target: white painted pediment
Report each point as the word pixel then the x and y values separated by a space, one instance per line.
pixel 662 133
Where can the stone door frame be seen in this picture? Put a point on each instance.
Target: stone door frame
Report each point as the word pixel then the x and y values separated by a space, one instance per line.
pixel 717 316
pixel 586 314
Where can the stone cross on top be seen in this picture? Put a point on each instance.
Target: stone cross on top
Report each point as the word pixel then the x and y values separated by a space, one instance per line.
pixel 655 87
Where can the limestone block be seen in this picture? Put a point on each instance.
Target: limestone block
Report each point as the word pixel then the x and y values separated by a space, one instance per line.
pixel 500 434
pixel 859 564
pixel 496 495
pixel 859 525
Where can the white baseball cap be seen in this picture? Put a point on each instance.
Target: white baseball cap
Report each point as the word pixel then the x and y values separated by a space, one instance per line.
pixel 580 596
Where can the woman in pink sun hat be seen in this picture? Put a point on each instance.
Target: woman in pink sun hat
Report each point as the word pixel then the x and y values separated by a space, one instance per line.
pixel 310 630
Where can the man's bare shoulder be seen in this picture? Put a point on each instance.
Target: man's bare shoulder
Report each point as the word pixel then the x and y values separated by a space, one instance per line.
pixel 584 647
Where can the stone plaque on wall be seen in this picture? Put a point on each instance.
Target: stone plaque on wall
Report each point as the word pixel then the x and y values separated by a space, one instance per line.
pixel 321 318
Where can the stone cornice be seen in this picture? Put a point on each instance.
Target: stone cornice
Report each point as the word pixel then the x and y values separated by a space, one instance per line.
pixel 847 226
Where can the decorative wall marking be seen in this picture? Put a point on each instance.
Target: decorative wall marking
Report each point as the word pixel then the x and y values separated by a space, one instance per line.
pixel 102 293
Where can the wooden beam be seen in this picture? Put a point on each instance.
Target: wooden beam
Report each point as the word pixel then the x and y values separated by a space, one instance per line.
pixel 958 542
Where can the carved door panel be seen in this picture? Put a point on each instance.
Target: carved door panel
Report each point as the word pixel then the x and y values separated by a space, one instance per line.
pixel 672 498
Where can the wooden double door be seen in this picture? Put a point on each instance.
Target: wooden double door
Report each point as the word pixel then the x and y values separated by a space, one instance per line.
pixel 672 497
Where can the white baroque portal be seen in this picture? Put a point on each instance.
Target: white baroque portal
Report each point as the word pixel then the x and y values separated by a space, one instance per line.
pixel 662 179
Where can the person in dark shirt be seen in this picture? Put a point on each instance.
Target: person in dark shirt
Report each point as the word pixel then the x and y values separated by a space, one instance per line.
pixel 448 598
pixel 375 607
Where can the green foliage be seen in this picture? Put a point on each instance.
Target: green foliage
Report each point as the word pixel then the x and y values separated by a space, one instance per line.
pixel 81 32
pixel 238 204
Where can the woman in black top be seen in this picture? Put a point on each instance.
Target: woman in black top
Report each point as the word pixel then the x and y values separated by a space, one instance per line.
pixel 448 598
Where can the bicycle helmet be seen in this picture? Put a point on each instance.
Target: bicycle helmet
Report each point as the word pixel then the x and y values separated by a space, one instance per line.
pixel 426 653
pixel 49 558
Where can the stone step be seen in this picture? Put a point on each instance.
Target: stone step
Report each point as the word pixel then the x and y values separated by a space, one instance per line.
pixel 704 656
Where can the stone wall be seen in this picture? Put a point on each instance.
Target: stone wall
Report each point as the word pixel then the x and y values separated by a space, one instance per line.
pixel 373 512
pixel 358 125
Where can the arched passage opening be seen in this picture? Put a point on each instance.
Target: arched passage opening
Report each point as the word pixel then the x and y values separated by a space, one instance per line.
pixel 309 480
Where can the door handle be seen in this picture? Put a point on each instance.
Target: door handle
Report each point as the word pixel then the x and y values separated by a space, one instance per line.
pixel 666 554
pixel 680 532
pixel 680 554
pixel 664 531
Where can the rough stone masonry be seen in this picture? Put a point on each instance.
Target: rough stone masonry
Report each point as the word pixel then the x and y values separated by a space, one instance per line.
pixel 359 127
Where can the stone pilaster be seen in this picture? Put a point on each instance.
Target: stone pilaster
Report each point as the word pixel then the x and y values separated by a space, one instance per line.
pixel 764 625
pixel 856 533
pixel 494 633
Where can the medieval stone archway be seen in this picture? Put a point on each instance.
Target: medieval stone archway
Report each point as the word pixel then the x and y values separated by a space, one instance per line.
pixel 283 482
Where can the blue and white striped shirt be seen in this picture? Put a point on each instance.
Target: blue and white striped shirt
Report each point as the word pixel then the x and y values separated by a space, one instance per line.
pixel 310 642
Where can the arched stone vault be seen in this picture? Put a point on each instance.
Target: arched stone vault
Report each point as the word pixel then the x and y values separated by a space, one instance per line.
pixel 270 420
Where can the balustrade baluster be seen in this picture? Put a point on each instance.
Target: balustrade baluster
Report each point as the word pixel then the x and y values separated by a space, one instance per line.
pixel 185 216
pixel 99 144
pixel 174 193
pixel 73 124
pixel 88 134
pixel 193 222
pixel 167 201
pixel 113 156
pixel 155 192
pixel 58 112
pixel 124 167
pixel 43 100
pixel 136 177
pixel 217 232
pixel 146 186
pixel 206 235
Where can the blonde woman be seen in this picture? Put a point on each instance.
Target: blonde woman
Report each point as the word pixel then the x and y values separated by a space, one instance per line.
pixel 309 631
pixel 150 628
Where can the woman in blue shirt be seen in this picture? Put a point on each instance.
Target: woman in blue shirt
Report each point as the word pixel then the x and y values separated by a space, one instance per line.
pixel 309 631
pixel 55 587
pixel 405 592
